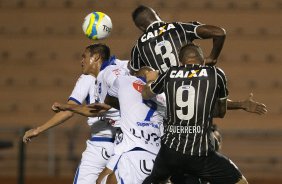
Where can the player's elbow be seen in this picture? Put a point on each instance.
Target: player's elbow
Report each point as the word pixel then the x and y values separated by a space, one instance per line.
pixel 220 32
pixel 221 108
pixel 210 31
pixel 221 114
pixel 218 114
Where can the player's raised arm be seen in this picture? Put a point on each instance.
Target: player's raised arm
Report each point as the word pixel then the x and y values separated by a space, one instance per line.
pixel 57 119
pixel 92 110
pixel 221 104
pixel 220 108
pixel 218 35
pixel 248 105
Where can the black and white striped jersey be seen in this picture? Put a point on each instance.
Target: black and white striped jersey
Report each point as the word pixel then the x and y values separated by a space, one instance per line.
pixel 158 47
pixel 191 92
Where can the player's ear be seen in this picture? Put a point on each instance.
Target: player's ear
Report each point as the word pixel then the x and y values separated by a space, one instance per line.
pixel 142 28
pixel 95 58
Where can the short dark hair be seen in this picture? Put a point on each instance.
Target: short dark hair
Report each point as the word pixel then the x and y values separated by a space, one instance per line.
pixel 140 9
pixel 143 16
pixel 191 51
pixel 101 49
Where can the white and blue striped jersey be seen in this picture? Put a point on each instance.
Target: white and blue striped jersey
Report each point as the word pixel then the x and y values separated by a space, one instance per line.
pixel 141 120
pixel 105 79
pixel 84 90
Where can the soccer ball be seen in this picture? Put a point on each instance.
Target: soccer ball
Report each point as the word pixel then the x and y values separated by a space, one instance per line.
pixel 97 25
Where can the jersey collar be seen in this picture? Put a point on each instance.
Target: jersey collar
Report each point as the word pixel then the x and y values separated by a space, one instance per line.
pixel 109 62
pixel 157 21
pixel 192 65
pixel 142 78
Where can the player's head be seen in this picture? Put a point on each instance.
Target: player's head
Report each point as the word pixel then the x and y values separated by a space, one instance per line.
pixel 143 16
pixel 92 58
pixel 142 71
pixel 191 54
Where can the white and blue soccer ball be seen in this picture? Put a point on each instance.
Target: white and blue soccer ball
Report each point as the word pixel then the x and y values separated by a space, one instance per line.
pixel 97 25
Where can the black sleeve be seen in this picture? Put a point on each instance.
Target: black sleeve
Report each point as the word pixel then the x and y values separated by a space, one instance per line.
pixel 190 30
pixel 157 86
pixel 221 84
pixel 136 61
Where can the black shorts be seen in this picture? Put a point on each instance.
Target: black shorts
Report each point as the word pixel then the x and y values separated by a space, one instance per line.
pixel 214 168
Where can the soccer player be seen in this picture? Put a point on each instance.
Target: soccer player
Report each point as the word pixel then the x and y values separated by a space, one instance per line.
pixel 95 60
pixel 141 123
pixel 194 93
pixel 158 46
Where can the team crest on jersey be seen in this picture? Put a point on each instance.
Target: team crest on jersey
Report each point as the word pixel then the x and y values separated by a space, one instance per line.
pixel 116 71
pixel 138 85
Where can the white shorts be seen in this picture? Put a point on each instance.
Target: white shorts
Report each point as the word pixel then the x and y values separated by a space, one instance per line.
pixel 134 166
pixel 94 159
pixel 112 162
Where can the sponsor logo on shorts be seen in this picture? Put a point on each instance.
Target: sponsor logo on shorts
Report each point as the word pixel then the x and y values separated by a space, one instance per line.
pixel 146 166
pixel 105 154
pixel 148 138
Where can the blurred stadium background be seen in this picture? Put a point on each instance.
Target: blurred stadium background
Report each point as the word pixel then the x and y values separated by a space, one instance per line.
pixel 40 52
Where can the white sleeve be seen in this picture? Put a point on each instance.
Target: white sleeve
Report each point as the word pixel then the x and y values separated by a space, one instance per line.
pixel 113 91
pixel 82 87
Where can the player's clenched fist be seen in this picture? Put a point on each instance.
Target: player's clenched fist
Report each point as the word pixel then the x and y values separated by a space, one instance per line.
pixel 57 107
pixel 30 134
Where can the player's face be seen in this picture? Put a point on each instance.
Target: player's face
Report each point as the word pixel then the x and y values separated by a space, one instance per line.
pixel 86 62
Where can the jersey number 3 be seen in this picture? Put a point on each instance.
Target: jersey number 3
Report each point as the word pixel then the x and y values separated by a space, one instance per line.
pixel 188 103
pixel 167 55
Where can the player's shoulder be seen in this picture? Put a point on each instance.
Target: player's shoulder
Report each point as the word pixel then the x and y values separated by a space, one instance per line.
pixel 82 86
pixel 122 63
pixel 117 70
pixel 219 71
pixel 194 23
pixel 123 80
pixel 126 79
pixel 86 78
pixel 213 69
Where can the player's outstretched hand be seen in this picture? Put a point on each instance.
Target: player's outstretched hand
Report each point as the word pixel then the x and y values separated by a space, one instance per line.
pixel 250 105
pixel 30 134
